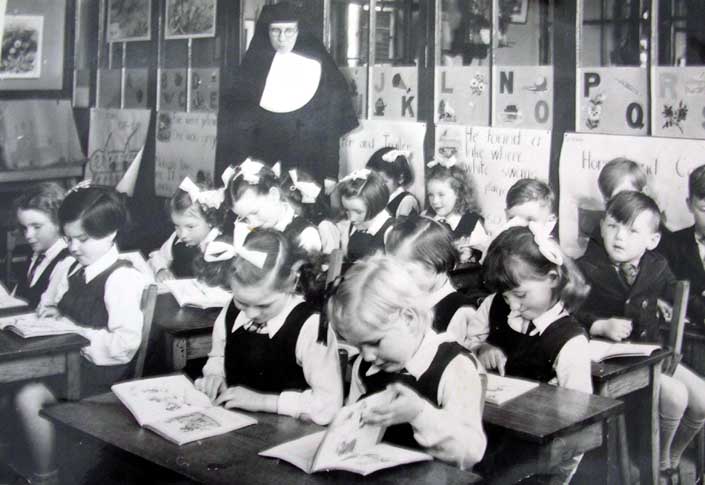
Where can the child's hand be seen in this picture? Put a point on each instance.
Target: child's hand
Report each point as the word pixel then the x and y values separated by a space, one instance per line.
pixel 613 328
pixel 247 399
pixel 665 309
pixel 211 385
pixel 164 275
pixel 48 312
pixel 403 407
pixel 492 358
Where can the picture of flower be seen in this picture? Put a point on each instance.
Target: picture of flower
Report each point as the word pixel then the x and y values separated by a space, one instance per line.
pixel 190 18
pixel 129 20
pixel 22 47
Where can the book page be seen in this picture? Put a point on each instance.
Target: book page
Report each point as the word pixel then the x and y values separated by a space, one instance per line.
pixel 30 325
pixel 502 389
pixel 191 292
pixel 299 452
pixel 8 300
pixel 160 398
pixel 200 424
pixel 380 456
pixel 601 349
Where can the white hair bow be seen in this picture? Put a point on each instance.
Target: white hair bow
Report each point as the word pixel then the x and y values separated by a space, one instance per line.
pixel 309 190
pixel 548 246
pixel 222 251
pixel 249 170
pixel 447 162
pixel 360 174
pixel 228 174
pixel 83 184
pixel 277 169
pixel 392 155
pixel 209 198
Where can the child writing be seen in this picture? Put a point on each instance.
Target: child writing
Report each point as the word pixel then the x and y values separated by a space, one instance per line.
pixel 530 330
pixel 426 249
pixel 363 197
pixel 254 195
pixel 197 217
pixel 265 355
pixel 394 168
pixel 37 214
pixel 99 292
pixel 531 200
pixel 628 276
pixel 434 386
pixel 451 201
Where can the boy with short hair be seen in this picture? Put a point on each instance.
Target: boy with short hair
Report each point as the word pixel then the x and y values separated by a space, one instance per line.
pixel 532 200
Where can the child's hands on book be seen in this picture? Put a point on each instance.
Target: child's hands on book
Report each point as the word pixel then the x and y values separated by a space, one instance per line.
pixel 164 275
pixel 402 406
pixel 616 329
pixel 493 358
pixel 48 312
pixel 211 385
pixel 243 398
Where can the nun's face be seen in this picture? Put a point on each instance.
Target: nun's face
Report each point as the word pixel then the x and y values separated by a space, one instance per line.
pixel 283 36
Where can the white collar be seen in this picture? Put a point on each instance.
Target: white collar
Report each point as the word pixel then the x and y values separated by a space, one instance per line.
pixel 542 322
pixel 97 267
pixel 452 219
pixel 422 358
pixel 276 322
pixel 376 223
pixel 287 215
pixel 292 81
pixel 397 191
pixel 446 289
pixel 211 236
pixel 58 246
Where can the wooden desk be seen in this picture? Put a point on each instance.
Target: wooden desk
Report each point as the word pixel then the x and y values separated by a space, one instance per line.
pixel 617 378
pixel 232 457
pixel 187 330
pixel 37 357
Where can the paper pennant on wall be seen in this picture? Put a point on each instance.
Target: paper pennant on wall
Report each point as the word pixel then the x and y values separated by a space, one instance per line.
pixel 129 179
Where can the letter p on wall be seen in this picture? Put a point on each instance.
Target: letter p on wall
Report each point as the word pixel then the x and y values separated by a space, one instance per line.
pixel 590 80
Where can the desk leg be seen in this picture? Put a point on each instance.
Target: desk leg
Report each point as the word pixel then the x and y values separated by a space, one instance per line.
pixel 611 460
pixel 177 348
pixel 73 376
pixel 653 441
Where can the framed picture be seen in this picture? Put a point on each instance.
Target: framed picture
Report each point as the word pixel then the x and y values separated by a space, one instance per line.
pixel 518 11
pixel 190 18
pixel 21 55
pixel 129 20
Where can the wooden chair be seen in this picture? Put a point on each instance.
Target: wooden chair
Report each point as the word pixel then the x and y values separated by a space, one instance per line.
pixel 13 239
pixel 149 301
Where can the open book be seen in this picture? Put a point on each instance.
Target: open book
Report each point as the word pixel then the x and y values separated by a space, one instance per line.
pixel 190 292
pixel 8 300
pixel 30 325
pixel 601 350
pixel 174 409
pixel 348 444
pixel 502 389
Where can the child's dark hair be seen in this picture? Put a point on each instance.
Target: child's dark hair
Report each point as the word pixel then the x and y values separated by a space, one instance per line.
pixel 424 240
pixel 616 171
pixel 371 189
pixel 181 201
pixel 397 169
pixel 514 256
pixel 626 206
pixel 316 210
pixel 696 183
pixel 261 181
pixel 460 182
pixel 100 209
pixel 44 197
pixel 530 190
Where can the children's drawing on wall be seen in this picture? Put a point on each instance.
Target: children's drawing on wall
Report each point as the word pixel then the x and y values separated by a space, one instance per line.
pixel 594 111
pixel 22 47
pixel 190 18
pixel 129 20
pixel 674 115
pixel 511 114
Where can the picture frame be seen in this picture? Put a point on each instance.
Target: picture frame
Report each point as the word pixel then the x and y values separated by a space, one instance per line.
pixel 188 19
pixel 518 11
pixel 129 20
pixel 21 48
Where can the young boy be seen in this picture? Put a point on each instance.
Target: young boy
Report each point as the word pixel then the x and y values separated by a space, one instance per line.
pixel 685 249
pixel 531 200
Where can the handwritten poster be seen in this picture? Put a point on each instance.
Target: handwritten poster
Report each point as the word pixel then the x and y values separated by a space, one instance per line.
pixel 667 162
pixel 678 101
pixel 205 84
pixel 357 81
pixel 116 136
pixel 357 146
pixel 462 95
pixel 172 89
pixel 612 100
pixel 496 158
pixel 37 133
pixel 185 147
pixel 395 92
pixel 523 97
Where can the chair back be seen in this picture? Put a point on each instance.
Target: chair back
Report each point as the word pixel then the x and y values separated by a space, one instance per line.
pixel 677 324
pixel 13 238
pixel 147 304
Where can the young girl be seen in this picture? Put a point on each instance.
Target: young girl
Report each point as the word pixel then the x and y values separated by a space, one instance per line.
pixel 99 292
pixel 393 166
pixel 254 195
pixel 434 388
pixel 265 354
pixel 197 216
pixel 363 197
pixel 426 248
pixel 37 213
pixel 451 200
pixel 530 331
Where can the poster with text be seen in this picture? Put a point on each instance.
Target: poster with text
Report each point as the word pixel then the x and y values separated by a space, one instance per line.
pixel 523 97
pixel 115 137
pixel 666 161
pixel 612 100
pixel 395 93
pixel 678 101
pixel 185 147
pixel 496 158
pixel 357 146
pixel 463 95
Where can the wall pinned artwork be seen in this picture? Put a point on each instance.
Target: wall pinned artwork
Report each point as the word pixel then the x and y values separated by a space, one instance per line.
pixel 205 84
pixel 190 19
pixel 523 97
pixel 129 20
pixel 22 47
pixel 172 89
pixel 394 93
pixel 463 95
pixel 678 101
pixel 135 88
pixel 109 88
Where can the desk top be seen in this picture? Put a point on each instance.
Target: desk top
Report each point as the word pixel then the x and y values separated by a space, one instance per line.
pixel 231 457
pixel 547 412
pixel 612 368
pixel 174 319
pixel 13 346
